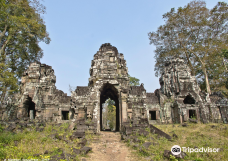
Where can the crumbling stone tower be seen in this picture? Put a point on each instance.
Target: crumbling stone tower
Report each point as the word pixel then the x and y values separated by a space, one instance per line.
pixel 39 98
pixel 181 99
pixel 108 79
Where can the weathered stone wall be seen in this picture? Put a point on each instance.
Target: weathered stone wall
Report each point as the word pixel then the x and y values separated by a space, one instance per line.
pixel 153 106
pixel 38 97
pixel 137 108
pixel 183 99
pixel 178 100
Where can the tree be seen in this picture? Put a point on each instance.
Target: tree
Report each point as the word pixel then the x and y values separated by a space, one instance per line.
pixel 133 81
pixel 194 33
pixel 21 30
pixel 224 56
pixel 217 74
pixel 8 82
pixel 109 114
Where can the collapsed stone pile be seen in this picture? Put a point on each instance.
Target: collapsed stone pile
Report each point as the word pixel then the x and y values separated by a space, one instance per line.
pixel 140 128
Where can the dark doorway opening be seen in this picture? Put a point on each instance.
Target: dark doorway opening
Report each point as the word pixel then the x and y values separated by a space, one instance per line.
pixel 30 106
pixel 192 114
pixel 109 91
pixel 189 100
pixel 152 115
pixel 65 115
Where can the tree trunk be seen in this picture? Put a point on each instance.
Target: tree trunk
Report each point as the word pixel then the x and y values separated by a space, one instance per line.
pixel 3 33
pixel 224 63
pixel 206 79
pixel 190 65
pixel 4 45
pixel 204 72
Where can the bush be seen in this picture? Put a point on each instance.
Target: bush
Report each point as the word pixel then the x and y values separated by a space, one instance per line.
pixel 6 138
pixel 1 128
pixel 2 152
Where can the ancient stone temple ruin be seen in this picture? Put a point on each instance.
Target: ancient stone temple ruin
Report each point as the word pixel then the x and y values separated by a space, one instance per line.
pixel 178 100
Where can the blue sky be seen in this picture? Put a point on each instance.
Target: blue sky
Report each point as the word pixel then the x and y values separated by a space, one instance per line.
pixel 78 28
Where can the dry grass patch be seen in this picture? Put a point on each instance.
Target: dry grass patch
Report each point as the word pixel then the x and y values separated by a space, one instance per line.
pixel 193 136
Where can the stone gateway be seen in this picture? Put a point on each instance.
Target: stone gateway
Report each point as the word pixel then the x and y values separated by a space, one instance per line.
pixel 178 100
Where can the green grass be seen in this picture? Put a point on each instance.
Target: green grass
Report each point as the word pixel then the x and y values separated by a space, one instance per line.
pixel 32 142
pixel 195 135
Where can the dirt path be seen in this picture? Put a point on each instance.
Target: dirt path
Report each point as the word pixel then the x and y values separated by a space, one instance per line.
pixel 109 147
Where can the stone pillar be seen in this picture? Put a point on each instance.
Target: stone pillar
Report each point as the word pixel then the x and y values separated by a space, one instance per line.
pixel 31 114
pixel 97 107
pixel 124 111
pixel 197 115
pixel 124 106
pixel 181 118
pixel 120 113
pixel 157 115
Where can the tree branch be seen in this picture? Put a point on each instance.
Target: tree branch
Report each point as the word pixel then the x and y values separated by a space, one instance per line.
pixel 4 45
pixel 3 33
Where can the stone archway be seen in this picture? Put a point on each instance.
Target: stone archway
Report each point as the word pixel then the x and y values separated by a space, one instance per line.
pixel 109 91
pixel 30 108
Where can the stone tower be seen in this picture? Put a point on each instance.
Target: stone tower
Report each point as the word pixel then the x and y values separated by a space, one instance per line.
pixel 108 79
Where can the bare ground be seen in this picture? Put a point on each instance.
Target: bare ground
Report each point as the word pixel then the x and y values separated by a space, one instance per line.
pixel 109 147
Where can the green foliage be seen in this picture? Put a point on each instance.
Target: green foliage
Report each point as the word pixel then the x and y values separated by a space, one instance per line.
pixel 21 28
pixel 9 83
pixel 1 129
pixel 224 53
pixel 194 33
pixel 133 81
pixel 172 158
pixel 109 114
pixel 44 139
pixel 49 128
pixel 7 138
pixel 32 142
pixel 170 100
pixel 2 153
pixel 89 135
pixel 199 159
pixel 193 117
pixel 89 121
pixel 217 74
pixel 65 125
pixel 226 83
